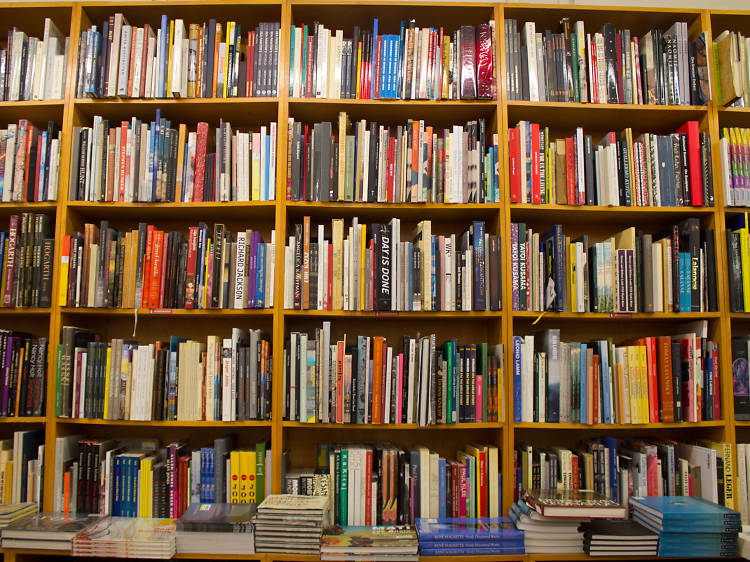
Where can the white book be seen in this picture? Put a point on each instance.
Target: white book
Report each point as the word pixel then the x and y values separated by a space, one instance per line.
pixel 271 191
pixel 434 484
pixel 226 379
pixel 705 459
pixel 58 83
pixel 601 66
pixel 185 62
pixel 54 43
pixel 272 275
pixel 263 160
pixel 54 173
pixel 529 43
pixel 175 65
pixel 388 384
pixel 239 284
pixel 124 64
pixel 288 281
pixel 322 66
pixel 298 81
pixel 324 372
pixel 138 62
pixel 582 48
pixel 39 67
pixel 742 481
pixel 114 56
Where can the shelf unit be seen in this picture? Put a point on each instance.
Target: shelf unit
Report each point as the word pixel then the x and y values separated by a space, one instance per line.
pixel 494 327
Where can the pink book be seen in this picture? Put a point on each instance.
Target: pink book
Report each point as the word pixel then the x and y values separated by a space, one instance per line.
pixel 479 415
pixel 441 243
pixel 399 402
pixel 163 280
pixel 464 489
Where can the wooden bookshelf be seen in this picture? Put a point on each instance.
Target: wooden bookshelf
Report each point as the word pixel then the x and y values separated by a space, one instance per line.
pixel 494 327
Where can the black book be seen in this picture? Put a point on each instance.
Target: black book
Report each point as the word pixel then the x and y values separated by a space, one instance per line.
pixel 372 177
pixel 677 171
pixel 218 248
pixel 298 266
pixel 333 194
pixel 709 258
pixel 322 161
pixel 707 177
pixel 690 236
pixel 740 378
pixel 676 379
pixel 665 166
pixel 736 296
pixel 610 61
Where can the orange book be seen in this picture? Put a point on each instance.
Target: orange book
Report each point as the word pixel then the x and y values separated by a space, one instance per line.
pixel 216 58
pixel 664 363
pixel 129 92
pixel 66 492
pixel 652 383
pixel 156 268
pixel 29 139
pixel 25 355
pixel 377 378
pixel 415 170
pixel 146 275
pixel 123 158
pixel 250 66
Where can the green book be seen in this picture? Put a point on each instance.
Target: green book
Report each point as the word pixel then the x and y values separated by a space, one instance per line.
pixel 344 487
pixel 260 471
pixel 449 379
pixel 574 67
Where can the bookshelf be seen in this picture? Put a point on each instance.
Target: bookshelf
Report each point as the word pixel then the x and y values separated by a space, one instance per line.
pixel 495 327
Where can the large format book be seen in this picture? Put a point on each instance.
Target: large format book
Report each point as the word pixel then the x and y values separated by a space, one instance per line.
pixel 127 537
pixel 216 517
pixel 489 529
pixel 45 531
pixel 573 503
pixel 685 514
pixel 360 541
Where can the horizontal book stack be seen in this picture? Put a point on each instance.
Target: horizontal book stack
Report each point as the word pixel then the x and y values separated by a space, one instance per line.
pixel 21 464
pixel 619 170
pixel 738 260
pixel 137 161
pixel 646 380
pixel 572 64
pixel 27 254
pixel 29 162
pixel 413 64
pixel 483 536
pixel 139 478
pixel 631 271
pixel 372 269
pixel 185 380
pixel 385 485
pixel 735 165
pixel 623 468
pixel 741 377
pixel 412 163
pixel 419 381
pixel 730 58
pixel 33 68
pixel 150 268
pixel 179 59
pixel 23 371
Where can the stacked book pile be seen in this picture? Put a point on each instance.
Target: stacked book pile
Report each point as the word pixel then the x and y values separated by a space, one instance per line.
pixel 11 512
pixel 216 528
pixel 744 541
pixel 370 543
pixel 124 537
pixel 46 531
pixel 468 536
pixel 291 524
pixel 551 519
pixel 618 537
pixel 689 526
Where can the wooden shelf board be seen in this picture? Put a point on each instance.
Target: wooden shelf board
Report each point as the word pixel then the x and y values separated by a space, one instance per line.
pixel 24 311
pixel 24 419
pixel 203 556
pixel 175 211
pixel 395 426
pixel 384 315
pixel 171 101
pixel 597 214
pixel 617 426
pixel 207 313
pixel 394 102
pixel 583 316
pixel 739 315
pixel 407 211
pixel 170 423
pixel 742 423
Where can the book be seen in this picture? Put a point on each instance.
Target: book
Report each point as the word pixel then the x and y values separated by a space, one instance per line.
pixel 476 530
pixel 123 536
pixel 573 503
pixel 368 541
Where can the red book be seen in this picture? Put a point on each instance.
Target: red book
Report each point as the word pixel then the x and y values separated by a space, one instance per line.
pixel 156 268
pixel 620 88
pixel 688 394
pixel 111 165
pixel 597 392
pixel 145 61
pixel 309 68
pixel 146 280
pixel 39 151
pixel 536 196
pixel 570 170
pixel 65 263
pixel 368 487
pixel 377 378
pixel 391 156
pixel 666 396
pixel 698 377
pixel 163 272
pixel 190 269
pixel 30 134
pixel 200 160
pixel 574 465
pixel 514 164
pixel 463 490
pixel 340 382
pixel 10 260
pixel 329 289
pixel 440 66
pixel 594 72
pixel 692 132
pixel 250 63
pixel 479 413
pixel 304 168
pixel 123 156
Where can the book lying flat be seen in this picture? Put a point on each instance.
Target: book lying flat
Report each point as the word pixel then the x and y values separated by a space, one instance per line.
pixel 614 530
pixel 573 503
pixel 476 529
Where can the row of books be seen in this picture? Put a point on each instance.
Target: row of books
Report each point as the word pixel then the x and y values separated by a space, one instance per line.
pixel 29 162
pixel 151 268
pixel 23 372
pixel 26 256
pixel 385 485
pixel 22 467
pixel 33 68
pixel 137 477
pixel 608 66
pixel 623 468
pixel 412 163
pixel 372 269
pixel 731 50
pixel 620 170
pixel 416 63
pixel 734 148
pixel 631 271
pixel 219 379
pixel 738 261
pixel 139 161
pixel 741 377
pixel 180 60
pixel 644 380
pixel 372 382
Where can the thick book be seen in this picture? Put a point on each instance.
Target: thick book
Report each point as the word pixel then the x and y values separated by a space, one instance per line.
pixel 573 503
pixel 479 529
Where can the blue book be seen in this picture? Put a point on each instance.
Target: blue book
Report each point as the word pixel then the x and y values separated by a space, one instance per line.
pixel 606 382
pixel 497 529
pixel 473 550
pixel 685 295
pixel 470 544
pixel 260 277
pixel 441 494
pixel 614 484
pixel 686 514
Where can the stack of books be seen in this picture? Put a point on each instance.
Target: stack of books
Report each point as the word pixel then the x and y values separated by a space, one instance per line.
pixel 734 147
pixel 562 513
pixel 738 261
pixel 416 380
pixel 125 537
pixel 468 537
pixel 370 543
pixel 689 526
pixel 45 531
pixel 618 537
pixel 10 512
pixel 640 381
pixel 291 524
pixel 216 528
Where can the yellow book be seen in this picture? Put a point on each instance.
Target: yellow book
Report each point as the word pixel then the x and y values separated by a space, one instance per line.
pixel 63 282
pixel 643 382
pixel 169 59
pixel 632 384
pixel 205 287
pixel 180 159
pixel 255 168
pixel 573 292
pixel 228 42
pixel 144 490
pixel 359 65
pixel 106 383
pixel 234 477
pixel 249 478
pixel 745 262
pixel 337 239
pixel 363 249
pixel 481 482
pixel 724 452
pixel 8 489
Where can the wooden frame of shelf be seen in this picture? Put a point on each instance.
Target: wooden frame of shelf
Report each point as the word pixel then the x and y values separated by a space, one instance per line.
pixel 495 326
